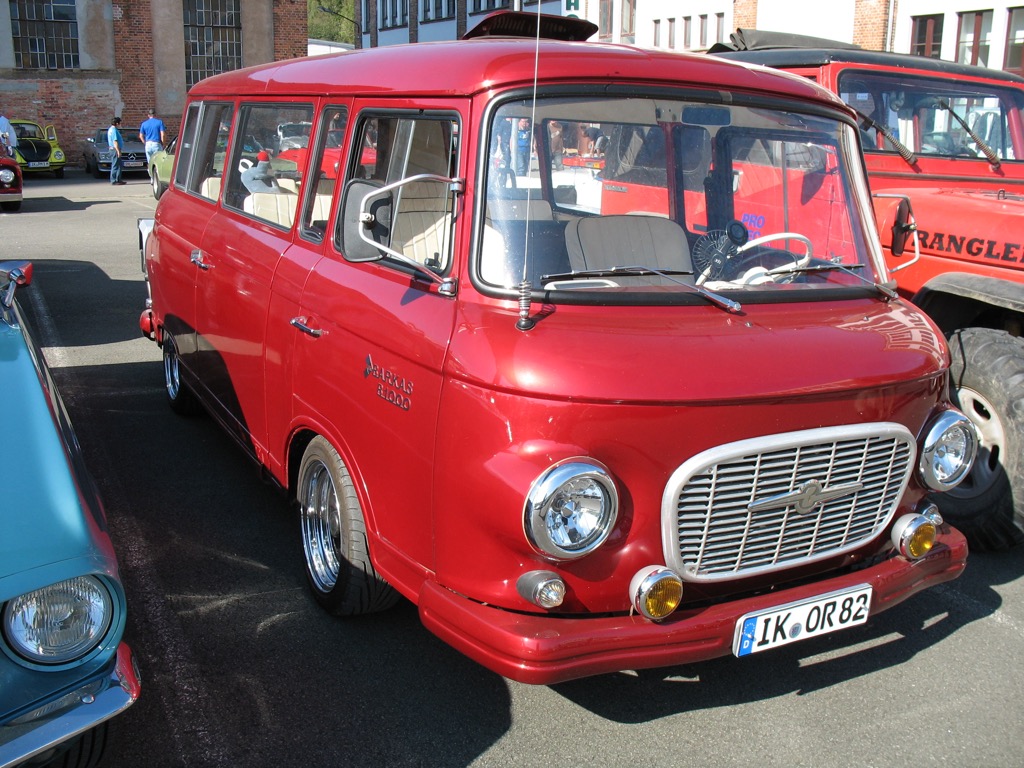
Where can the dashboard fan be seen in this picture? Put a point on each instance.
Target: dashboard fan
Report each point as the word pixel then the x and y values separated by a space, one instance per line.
pixel 711 253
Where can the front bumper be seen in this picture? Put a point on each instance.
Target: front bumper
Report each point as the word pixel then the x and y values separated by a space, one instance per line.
pixel 75 713
pixel 543 650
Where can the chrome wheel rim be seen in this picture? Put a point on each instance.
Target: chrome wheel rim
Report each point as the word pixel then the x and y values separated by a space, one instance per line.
pixel 171 375
pixel 156 183
pixel 321 526
pixel 991 443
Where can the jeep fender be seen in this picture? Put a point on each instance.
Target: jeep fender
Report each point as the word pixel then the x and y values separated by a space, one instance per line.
pixel 962 300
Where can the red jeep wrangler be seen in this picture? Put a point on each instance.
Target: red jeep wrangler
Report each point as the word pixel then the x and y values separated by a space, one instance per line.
pixel 951 138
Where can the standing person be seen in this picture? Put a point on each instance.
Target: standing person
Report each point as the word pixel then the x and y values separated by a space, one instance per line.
pixel 523 147
pixel 115 142
pixel 12 138
pixel 557 145
pixel 152 133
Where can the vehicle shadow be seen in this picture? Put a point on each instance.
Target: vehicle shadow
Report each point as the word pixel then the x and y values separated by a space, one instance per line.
pixel 240 665
pixel 37 204
pixel 83 291
pixel 887 641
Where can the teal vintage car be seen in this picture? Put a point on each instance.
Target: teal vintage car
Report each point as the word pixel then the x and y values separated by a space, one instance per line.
pixel 64 668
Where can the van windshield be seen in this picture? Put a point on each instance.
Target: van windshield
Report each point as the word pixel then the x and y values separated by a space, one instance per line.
pixel 627 194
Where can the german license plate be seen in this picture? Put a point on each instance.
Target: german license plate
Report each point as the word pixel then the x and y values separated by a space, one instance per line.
pixel 133 164
pixel 784 624
pixel 39 164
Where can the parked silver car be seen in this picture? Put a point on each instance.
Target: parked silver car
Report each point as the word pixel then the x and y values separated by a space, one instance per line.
pixel 98 155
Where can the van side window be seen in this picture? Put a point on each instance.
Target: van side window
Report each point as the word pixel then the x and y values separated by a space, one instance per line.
pixel 186 144
pixel 208 148
pixel 392 149
pixel 324 169
pixel 268 159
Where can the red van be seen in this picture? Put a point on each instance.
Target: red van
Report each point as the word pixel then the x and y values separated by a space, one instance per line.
pixel 582 434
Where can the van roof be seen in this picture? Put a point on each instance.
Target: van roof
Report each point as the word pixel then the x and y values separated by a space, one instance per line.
pixel 466 67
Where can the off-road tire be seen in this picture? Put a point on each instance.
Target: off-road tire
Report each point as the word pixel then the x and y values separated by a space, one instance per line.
pixel 179 396
pixel 338 566
pixel 987 384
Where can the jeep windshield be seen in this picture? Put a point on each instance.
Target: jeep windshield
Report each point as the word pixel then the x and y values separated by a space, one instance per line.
pixel 935 116
pixel 650 199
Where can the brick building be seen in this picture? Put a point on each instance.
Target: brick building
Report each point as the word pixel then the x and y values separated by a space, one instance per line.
pixel 76 63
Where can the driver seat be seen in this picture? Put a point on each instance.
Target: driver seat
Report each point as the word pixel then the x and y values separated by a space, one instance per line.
pixel 603 242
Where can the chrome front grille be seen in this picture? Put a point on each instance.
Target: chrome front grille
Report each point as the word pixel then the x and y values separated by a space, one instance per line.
pixel 769 503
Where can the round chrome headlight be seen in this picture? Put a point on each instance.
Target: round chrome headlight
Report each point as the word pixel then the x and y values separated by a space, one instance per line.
pixel 58 155
pixel 948 452
pixel 571 509
pixel 59 623
pixel 6 175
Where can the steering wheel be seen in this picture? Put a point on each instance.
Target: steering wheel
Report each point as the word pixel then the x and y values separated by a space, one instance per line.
pixel 762 274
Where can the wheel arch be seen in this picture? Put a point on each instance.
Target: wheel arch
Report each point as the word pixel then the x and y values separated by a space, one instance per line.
pixel 961 300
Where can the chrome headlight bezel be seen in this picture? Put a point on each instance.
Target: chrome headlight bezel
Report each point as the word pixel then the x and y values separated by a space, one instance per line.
pixel 562 501
pixel 58 155
pixel 948 450
pixel 7 176
pixel 61 623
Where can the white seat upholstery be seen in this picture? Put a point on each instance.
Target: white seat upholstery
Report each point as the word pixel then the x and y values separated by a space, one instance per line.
pixel 422 223
pixel 278 208
pixel 210 188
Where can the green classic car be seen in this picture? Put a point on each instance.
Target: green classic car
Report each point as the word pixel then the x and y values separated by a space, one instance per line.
pixel 38 149
pixel 160 167
pixel 64 668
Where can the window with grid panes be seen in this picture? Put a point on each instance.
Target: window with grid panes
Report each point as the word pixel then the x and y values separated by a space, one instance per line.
pixel 926 36
pixel 213 38
pixel 44 34
pixel 974 38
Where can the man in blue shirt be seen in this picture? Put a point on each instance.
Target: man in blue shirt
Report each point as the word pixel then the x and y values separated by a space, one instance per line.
pixel 151 133
pixel 115 143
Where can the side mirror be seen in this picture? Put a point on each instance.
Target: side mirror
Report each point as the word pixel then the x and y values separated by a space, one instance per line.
pixel 902 226
pixel 354 231
pixel 13 274
pixel 895 221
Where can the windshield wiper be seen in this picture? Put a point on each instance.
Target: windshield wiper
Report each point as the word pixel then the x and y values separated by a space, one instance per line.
pixel 904 151
pixel 986 150
pixel 832 267
pixel 718 300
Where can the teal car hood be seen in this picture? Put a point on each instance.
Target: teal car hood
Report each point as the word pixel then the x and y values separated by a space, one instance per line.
pixel 52 524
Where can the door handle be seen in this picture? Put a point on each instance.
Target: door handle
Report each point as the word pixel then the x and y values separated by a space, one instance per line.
pixel 300 323
pixel 197 259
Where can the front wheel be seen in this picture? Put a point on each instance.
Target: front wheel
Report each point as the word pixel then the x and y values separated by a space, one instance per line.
pixel 338 564
pixel 158 187
pixel 987 384
pixel 59 173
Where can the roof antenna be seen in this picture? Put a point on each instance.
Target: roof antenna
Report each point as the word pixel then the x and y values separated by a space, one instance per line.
pixel 525 322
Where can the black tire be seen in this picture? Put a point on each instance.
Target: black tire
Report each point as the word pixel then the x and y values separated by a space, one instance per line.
pixel 154 180
pixel 179 396
pixel 86 751
pixel 59 173
pixel 11 207
pixel 987 384
pixel 97 172
pixel 338 566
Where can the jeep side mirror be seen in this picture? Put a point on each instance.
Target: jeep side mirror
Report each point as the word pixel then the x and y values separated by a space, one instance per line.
pixel 896 224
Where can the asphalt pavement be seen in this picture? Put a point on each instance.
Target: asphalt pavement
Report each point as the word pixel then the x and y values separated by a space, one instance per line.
pixel 240 667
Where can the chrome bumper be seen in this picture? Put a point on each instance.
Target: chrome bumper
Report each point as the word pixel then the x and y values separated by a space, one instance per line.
pixel 72 714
